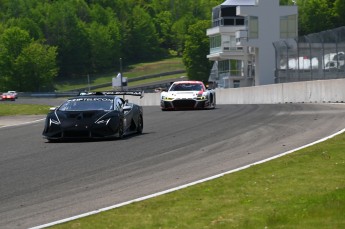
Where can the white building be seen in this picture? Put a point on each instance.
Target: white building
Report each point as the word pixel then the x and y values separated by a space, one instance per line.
pixel 241 40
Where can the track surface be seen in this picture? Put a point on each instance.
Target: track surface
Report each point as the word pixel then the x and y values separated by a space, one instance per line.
pixel 43 182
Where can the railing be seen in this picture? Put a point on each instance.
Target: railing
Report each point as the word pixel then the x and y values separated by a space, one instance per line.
pixel 228 21
pixel 317 56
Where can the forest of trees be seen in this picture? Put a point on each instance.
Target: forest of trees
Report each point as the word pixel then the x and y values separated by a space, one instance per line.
pixel 46 40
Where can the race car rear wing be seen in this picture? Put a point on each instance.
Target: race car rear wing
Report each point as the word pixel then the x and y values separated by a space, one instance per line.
pixel 133 93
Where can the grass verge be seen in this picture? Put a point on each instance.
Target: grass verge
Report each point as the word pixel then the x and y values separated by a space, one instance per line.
pixel 142 69
pixel 22 109
pixel 305 189
pixel 143 82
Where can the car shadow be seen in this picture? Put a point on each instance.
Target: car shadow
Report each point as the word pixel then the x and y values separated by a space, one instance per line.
pixel 88 140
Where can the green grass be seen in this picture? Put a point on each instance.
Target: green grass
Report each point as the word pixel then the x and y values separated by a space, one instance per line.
pixel 305 189
pixel 142 69
pixel 141 82
pixel 7 109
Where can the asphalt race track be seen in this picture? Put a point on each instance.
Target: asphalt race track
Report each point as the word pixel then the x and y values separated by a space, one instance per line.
pixel 43 182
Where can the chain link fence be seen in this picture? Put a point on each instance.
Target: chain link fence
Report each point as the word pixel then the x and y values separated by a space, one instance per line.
pixel 315 56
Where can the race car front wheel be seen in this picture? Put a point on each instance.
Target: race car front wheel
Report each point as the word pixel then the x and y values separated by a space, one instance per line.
pixel 140 125
pixel 121 129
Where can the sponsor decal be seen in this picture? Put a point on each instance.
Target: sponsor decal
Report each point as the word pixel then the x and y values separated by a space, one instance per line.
pixel 90 99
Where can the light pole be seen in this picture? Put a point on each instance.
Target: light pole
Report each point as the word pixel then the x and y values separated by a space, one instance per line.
pixel 88 81
pixel 121 73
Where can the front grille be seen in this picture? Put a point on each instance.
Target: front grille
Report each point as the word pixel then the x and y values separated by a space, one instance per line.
pixel 167 105
pixel 200 105
pixel 76 134
pixel 184 103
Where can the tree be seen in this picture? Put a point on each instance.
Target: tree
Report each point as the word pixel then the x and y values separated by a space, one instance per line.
pixel 12 42
pixel 315 16
pixel 26 24
pixel 25 64
pixel 103 45
pixel 141 38
pixel 63 29
pixel 287 2
pixel 163 22
pixel 196 49
pixel 37 67
pixel 339 9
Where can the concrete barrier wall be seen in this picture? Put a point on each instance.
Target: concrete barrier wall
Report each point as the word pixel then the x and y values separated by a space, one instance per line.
pixel 320 91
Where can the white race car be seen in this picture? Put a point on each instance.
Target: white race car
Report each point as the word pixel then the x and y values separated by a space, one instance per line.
pixel 188 95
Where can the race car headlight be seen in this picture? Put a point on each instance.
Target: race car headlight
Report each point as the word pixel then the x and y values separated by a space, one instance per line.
pixel 200 97
pixel 166 98
pixel 103 121
pixel 54 121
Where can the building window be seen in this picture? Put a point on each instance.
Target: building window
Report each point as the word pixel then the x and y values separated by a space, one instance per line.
pixel 223 66
pixel 215 44
pixel 233 43
pixel 232 68
pixel 236 83
pixel 229 42
pixel 253 26
pixel 288 26
pixel 215 41
pixel 236 67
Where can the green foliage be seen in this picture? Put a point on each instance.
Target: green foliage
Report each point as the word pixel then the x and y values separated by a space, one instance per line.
pixel 25 64
pixel 105 45
pixel 196 49
pixel 91 36
pixel 36 67
pixel 316 16
pixel 286 2
pixel 142 41
pixel 339 11
pixel 12 42
pixel 69 33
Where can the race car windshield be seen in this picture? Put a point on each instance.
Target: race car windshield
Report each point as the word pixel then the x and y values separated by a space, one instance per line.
pixel 84 104
pixel 186 87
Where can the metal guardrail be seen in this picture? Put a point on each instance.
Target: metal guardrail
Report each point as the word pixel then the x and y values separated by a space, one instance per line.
pixel 48 94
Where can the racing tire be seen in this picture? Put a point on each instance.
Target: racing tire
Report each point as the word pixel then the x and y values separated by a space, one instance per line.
pixel 214 102
pixel 140 125
pixel 121 129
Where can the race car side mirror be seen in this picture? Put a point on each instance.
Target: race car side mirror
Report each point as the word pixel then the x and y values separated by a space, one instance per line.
pixel 52 108
pixel 127 108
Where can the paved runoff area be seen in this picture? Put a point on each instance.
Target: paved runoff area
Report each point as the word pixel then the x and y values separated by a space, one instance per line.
pixel 19 119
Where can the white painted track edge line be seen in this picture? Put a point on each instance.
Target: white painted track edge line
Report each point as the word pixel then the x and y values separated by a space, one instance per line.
pixel 182 186
pixel 24 123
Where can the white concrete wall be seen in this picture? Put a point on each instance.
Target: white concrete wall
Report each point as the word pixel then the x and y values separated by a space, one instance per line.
pixel 321 91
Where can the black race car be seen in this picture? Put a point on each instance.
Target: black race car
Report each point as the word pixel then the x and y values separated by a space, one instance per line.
pixel 94 115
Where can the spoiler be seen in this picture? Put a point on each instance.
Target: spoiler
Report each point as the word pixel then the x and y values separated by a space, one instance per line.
pixel 133 93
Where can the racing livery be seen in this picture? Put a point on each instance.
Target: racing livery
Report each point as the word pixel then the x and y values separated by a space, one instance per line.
pixel 94 115
pixel 188 95
pixel 8 96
